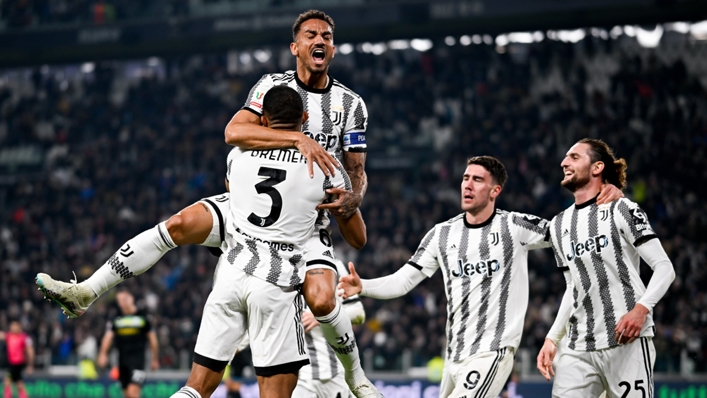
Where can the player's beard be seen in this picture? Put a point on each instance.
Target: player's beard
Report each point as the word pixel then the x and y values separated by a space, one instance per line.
pixel 577 181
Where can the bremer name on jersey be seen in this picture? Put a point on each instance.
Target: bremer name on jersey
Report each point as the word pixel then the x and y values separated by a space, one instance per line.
pixel 598 246
pixel 485 270
pixel 273 212
pixel 337 116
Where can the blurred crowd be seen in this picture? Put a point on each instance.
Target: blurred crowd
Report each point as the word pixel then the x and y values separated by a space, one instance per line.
pixel 123 147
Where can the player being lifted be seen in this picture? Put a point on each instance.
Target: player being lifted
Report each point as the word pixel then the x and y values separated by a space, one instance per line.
pixel 483 253
pixel 336 125
pixel 256 283
pixel 606 306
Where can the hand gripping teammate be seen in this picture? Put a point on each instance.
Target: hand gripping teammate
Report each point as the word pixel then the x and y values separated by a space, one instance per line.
pixel 483 255
pixel 337 122
pixel 606 311
pixel 255 290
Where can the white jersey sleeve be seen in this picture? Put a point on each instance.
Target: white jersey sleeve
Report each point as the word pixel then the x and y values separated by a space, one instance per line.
pixel 254 102
pixel 355 128
pixel 425 258
pixel 633 222
pixel 531 231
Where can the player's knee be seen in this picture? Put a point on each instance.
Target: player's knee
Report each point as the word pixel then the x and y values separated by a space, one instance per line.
pixel 176 226
pixel 323 303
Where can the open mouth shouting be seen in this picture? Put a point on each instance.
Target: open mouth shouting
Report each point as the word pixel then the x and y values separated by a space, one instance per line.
pixel 318 56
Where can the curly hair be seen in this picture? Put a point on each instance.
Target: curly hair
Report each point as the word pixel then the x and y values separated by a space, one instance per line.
pixel 614 169
pixel 306 16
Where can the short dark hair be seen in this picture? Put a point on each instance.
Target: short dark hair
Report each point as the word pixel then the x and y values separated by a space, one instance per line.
pixel 614 168
pixel 306 16
pixel 283 105
pixel 493 166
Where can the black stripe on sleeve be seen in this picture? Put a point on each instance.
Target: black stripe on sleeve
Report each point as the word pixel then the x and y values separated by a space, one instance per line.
pixel 245 108
pixel 415 265
pixel 563 269
pixel 357 149
pixel 221 227
pixel 644 239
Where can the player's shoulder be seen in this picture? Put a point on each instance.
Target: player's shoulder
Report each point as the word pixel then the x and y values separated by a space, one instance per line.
pixel 342 88
pixel 459 218
pixel 279 78
pixel 626 202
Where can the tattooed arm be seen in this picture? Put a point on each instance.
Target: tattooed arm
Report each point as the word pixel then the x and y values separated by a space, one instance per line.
pixel 347 203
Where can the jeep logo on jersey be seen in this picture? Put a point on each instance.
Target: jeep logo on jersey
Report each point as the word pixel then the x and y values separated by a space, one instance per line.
pixel 487 267
pixel 593 244
pixel 327 141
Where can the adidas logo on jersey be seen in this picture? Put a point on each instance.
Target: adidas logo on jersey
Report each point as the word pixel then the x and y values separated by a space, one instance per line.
pixel 565 233
pixel 328 254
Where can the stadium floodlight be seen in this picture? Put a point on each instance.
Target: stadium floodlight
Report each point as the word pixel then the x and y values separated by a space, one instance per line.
pixel 538 36
pixel 421 45
pixel 366 47
pixel 450 40
pixel 466 40
pixel 552 35
pixel 476 39
pixel 345 48
pixel 519 37
pixel 502 40
pixel 615 32
pixel 88 67
pixel 680 27
pixel 379 48
pixel 699 30
pixel 153 61
pixel 398 44
pixel 571 36
pixel 245 58
pixel 649 38
pixel 262 56
pixel 630 31
pixel 488 39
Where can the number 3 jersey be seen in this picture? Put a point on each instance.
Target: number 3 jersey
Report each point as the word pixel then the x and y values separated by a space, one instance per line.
pixel 485 271
pixel 273 212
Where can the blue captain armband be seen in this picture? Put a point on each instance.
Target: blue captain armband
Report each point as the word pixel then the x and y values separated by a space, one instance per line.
pixel 355 141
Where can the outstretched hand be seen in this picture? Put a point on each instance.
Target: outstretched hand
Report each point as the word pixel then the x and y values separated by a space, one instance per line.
pixel 545 358
pixel 314 153
pixel 349 285
pixel 609 193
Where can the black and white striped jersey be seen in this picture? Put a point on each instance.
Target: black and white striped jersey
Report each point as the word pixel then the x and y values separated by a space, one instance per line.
pixel 323 364
pixel 273 212
pixel 337 116
pixel 485 271
pixel 597 244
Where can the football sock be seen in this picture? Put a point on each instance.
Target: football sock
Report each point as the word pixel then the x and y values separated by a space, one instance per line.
pixel 135 257
pixel 21 393
pixel 338 332
pixel 7 393
pixel 186 392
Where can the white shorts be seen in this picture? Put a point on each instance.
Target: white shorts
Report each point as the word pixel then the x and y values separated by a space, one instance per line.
pixel 482 375
pixel 219 206
pixel 319 251
pixel 623 371
pixel 332 388
pixel 271 315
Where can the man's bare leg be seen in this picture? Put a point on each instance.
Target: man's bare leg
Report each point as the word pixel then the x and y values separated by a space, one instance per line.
pixel 277 386
pixel 319 292
pixel 202 382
